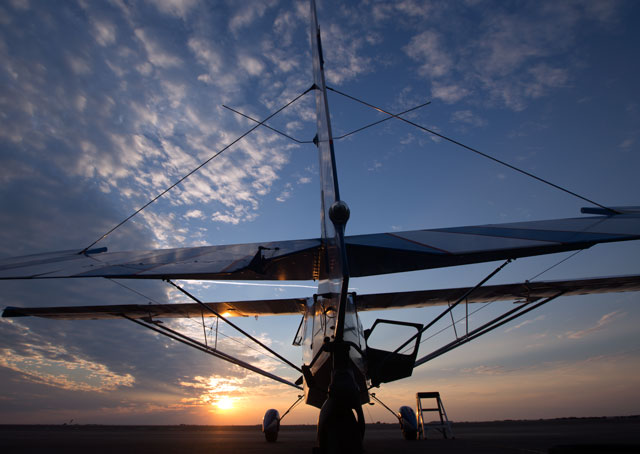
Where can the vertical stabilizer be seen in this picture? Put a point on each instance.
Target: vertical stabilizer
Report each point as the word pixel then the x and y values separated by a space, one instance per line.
pixel 334 272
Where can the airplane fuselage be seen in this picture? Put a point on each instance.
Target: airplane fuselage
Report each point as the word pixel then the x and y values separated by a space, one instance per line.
pixel 318 331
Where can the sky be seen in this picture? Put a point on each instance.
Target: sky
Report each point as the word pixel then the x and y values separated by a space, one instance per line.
pixel 105 104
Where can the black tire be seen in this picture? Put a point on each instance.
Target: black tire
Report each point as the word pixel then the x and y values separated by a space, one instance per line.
pixel 339 431
pixel 271 437
pixel 410 435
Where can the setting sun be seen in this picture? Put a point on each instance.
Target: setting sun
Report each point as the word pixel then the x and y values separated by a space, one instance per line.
pixel 224 403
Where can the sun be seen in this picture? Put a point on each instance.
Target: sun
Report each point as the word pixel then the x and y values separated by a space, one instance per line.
pixel 225 403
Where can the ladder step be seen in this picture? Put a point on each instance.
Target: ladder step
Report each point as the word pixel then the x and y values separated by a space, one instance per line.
pixel 444 426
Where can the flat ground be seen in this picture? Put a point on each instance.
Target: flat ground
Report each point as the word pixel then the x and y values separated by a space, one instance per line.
pixel 593 435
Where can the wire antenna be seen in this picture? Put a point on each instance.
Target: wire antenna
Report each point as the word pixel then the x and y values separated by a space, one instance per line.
pixel 201 165
pixel 460 144
pixel 335 138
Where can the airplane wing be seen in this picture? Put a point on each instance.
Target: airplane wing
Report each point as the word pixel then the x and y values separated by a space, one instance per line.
pixel 525 292
pixel 367 254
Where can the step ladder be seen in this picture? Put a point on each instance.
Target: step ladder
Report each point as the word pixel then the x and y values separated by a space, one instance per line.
pixel 444 425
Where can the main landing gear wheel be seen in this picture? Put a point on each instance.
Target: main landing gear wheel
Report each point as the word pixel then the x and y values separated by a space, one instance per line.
pixel 408 423
pixel 340 429
pixel 271 425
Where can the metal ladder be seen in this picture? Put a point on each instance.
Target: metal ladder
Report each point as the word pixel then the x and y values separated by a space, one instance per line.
pixel 444 425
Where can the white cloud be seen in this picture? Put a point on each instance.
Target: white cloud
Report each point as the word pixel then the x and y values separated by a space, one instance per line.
pixel 286 193
pixel 155 53
pixel 206 54
pixel 448 93
pixel 468 117
pixel 78 65
pixel 225 218
pixel 485 370
pixel 252 65
pixel 524 323
pixel 80 103
pixel 375 166
pixel 144 68
pixel 601 323
pixel 194 214
pixel 178 8
pixel 543 78
pixel 384 11
pixel 54 365
pixel 428 50
pixel 343 51
pixel 104 32
pixel 253 11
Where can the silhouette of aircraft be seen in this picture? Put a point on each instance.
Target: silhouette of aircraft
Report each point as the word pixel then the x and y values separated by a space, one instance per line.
pixel 339 367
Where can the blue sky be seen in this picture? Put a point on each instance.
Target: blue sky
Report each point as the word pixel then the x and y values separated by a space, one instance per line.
pixel 104 104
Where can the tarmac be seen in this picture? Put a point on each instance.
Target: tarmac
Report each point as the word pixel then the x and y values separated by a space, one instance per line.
pixel 559 436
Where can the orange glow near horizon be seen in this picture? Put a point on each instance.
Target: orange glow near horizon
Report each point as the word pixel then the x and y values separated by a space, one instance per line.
pixel 224 403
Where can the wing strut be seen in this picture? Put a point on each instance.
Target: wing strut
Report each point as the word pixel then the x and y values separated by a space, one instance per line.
pixel 233 325
pixel 484 329
pixel 158 328
pixel 452 306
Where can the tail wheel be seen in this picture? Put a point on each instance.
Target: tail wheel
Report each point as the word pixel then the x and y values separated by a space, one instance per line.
pixel 340 429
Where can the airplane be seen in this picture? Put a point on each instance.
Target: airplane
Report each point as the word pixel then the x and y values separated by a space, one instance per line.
pixel 339 368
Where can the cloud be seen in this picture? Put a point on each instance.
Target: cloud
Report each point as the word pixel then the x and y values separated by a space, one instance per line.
pixel 385 11
pixel 345 51
pixel 448 93
pixel 627 144
pixel 427 49
pixel 53 366
pixel 194 214
pixel 155 53
pixel 524 323
pixel 543 78
pixel 104 32
pixel 178 8
pixel 484 370
pixel 286 193
pixel 605 320
pixel 21 4
pixel 509 54
pixel 78 65
pixel 206 55
pixel 42 361
pixel 467 117
pixel 249 14
pixel 375 166
pixel 252 65
pixel 227 218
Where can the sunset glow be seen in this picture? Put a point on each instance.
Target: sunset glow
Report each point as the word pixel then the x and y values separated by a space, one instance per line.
pixel 224 403
pixel 106 104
